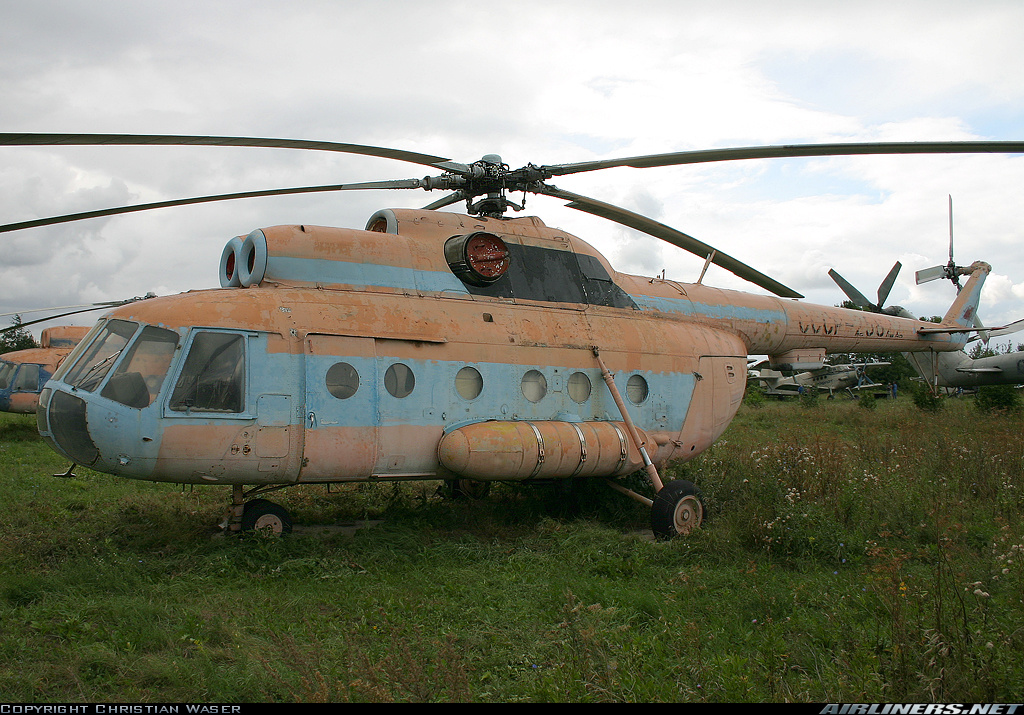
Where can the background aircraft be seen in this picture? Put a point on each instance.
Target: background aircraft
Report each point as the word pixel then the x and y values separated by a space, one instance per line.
pixel 958 369
pixel 24 372
pixel 830 379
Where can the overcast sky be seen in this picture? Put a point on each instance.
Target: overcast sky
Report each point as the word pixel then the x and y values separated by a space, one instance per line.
pixel 544 82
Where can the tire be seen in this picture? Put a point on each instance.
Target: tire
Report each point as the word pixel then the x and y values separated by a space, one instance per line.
pixel 259 514
pixel 678 509
pixel 467 488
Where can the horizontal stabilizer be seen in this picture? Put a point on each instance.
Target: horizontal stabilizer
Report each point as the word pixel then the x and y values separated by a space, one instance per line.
pixel 980 370
pixel 993 332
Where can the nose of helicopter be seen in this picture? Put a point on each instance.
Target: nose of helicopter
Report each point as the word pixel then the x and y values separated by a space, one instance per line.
pixel 94 432
pixel 98 409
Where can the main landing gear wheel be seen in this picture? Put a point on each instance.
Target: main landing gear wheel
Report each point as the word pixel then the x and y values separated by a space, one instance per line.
pixel 678 509
pixel 472 488
pixel 259 514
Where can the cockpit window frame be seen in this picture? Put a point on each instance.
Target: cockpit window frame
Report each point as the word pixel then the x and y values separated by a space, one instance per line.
pixel 180 362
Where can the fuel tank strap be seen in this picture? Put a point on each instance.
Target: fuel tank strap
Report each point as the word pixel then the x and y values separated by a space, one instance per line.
pixel 540 450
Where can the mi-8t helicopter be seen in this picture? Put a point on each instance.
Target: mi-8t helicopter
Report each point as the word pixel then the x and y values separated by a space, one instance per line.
pixel 441 346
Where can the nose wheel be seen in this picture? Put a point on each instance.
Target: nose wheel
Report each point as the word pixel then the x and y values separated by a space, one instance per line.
pixel 678 509
pixel 260 514
pixel 256 514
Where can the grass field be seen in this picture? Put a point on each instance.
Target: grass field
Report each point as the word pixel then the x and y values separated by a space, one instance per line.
pixel 849 555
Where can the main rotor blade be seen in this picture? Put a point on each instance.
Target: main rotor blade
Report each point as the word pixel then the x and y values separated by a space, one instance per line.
pixel 91 306
pixel 392 184
pixel 855 296
pixel 790 150
pixel 887 284
pixel 16 139
pixel 94 306
pixel 53 318
pixel 671 235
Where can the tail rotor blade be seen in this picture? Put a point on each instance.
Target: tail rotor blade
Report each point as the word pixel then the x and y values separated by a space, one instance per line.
pixel 951 229
pixel 930 274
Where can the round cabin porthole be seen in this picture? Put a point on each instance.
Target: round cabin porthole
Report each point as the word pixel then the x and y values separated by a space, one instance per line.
pixel 534 386
pixel 579 387
pixel 399 380
pixel 342 380
pixel 469 383
pixel 636 389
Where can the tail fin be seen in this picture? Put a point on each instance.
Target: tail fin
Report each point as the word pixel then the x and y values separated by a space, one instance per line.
pixel 965 308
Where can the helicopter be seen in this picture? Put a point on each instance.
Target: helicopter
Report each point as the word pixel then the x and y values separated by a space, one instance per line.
pixel 829 378
pixel 24 372
pixel 431 345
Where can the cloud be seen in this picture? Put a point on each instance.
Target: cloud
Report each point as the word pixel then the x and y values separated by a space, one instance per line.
pixel 551 82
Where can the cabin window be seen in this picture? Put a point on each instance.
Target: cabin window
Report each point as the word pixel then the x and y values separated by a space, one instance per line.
pixel 342 380
pixel 399 380
pixel 96 362
pixel 469 383
pixel 138 378
pixel 6 371
pixel 579 387
pixel 27 379
pixel 534 386
pixel 213 377
pixel 636 389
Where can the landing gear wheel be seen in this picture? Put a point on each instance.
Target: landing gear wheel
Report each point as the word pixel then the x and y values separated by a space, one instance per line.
pixel 472 488
pixel 678 509
pixel 260 514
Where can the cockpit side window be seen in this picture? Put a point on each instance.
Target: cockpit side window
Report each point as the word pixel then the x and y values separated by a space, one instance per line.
pixel 96 362
pixel 140 374
pixel 6 370
pixel 27 379
pixel 213 377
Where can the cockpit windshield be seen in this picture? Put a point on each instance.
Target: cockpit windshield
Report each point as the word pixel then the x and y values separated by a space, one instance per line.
pixel 140 374
pixel 96 362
